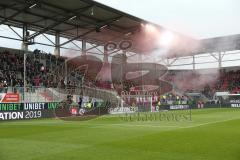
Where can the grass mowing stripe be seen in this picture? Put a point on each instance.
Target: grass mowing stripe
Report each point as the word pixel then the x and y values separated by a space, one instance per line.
pixel 212 135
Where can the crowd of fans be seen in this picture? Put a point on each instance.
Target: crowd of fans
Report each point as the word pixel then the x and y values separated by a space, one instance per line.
pixel 232 80
pixel 172 98
pixel 41 69
pixel 11 69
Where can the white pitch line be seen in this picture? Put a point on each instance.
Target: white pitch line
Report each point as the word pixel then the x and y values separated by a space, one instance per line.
pixel 123 125
pixel 210 123
pixel 160 126
pixel 136 125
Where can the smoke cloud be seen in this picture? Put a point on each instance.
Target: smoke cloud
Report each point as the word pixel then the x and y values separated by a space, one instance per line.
pixel 193 80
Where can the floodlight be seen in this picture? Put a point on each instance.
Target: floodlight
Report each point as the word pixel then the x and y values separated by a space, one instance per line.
pixel 166 38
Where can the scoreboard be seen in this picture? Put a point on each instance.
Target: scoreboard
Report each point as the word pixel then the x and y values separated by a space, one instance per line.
pixel 17 111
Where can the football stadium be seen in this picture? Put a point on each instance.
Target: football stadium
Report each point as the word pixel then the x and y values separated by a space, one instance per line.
pixel 113 86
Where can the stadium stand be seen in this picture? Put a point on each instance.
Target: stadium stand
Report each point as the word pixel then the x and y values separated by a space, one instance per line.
pixel 46 70
pixel 43 76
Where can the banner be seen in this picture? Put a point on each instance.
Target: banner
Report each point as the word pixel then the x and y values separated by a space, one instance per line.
pixel 235 103
pixel 26 114
pixel 28 106
pixel 179 106
pixel 118 110
pixel 15 115
pixel 9 97
pixel 17 111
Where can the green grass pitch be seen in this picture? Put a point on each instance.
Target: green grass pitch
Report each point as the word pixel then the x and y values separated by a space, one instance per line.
pixel 213 134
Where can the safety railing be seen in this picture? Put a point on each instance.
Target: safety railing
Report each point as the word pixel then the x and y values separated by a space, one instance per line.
pixel 43 94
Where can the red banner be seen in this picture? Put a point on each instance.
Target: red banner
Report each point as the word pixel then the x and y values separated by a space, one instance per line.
pixel 9 97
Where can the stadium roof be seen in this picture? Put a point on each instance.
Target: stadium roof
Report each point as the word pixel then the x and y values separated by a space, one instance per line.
pixel 99 24
pixel 225 43
pixel 209 45
pixel 77 19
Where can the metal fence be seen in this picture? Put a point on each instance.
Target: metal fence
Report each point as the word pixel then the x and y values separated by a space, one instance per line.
pixel 43 94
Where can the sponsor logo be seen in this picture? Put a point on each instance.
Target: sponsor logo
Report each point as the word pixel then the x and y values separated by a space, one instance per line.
pixel 179 106
pixel 28 106
pixel 235 105
pixel 119 110
pixel 20 115
pixel 9 97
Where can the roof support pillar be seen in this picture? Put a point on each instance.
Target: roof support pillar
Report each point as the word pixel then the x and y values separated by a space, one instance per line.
pixel 25 49
pixel 194 63
pixel 57 45
pixel 84 47
pixel 219 60
pixel 24 39
pixel 105 56
pixel 124 52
